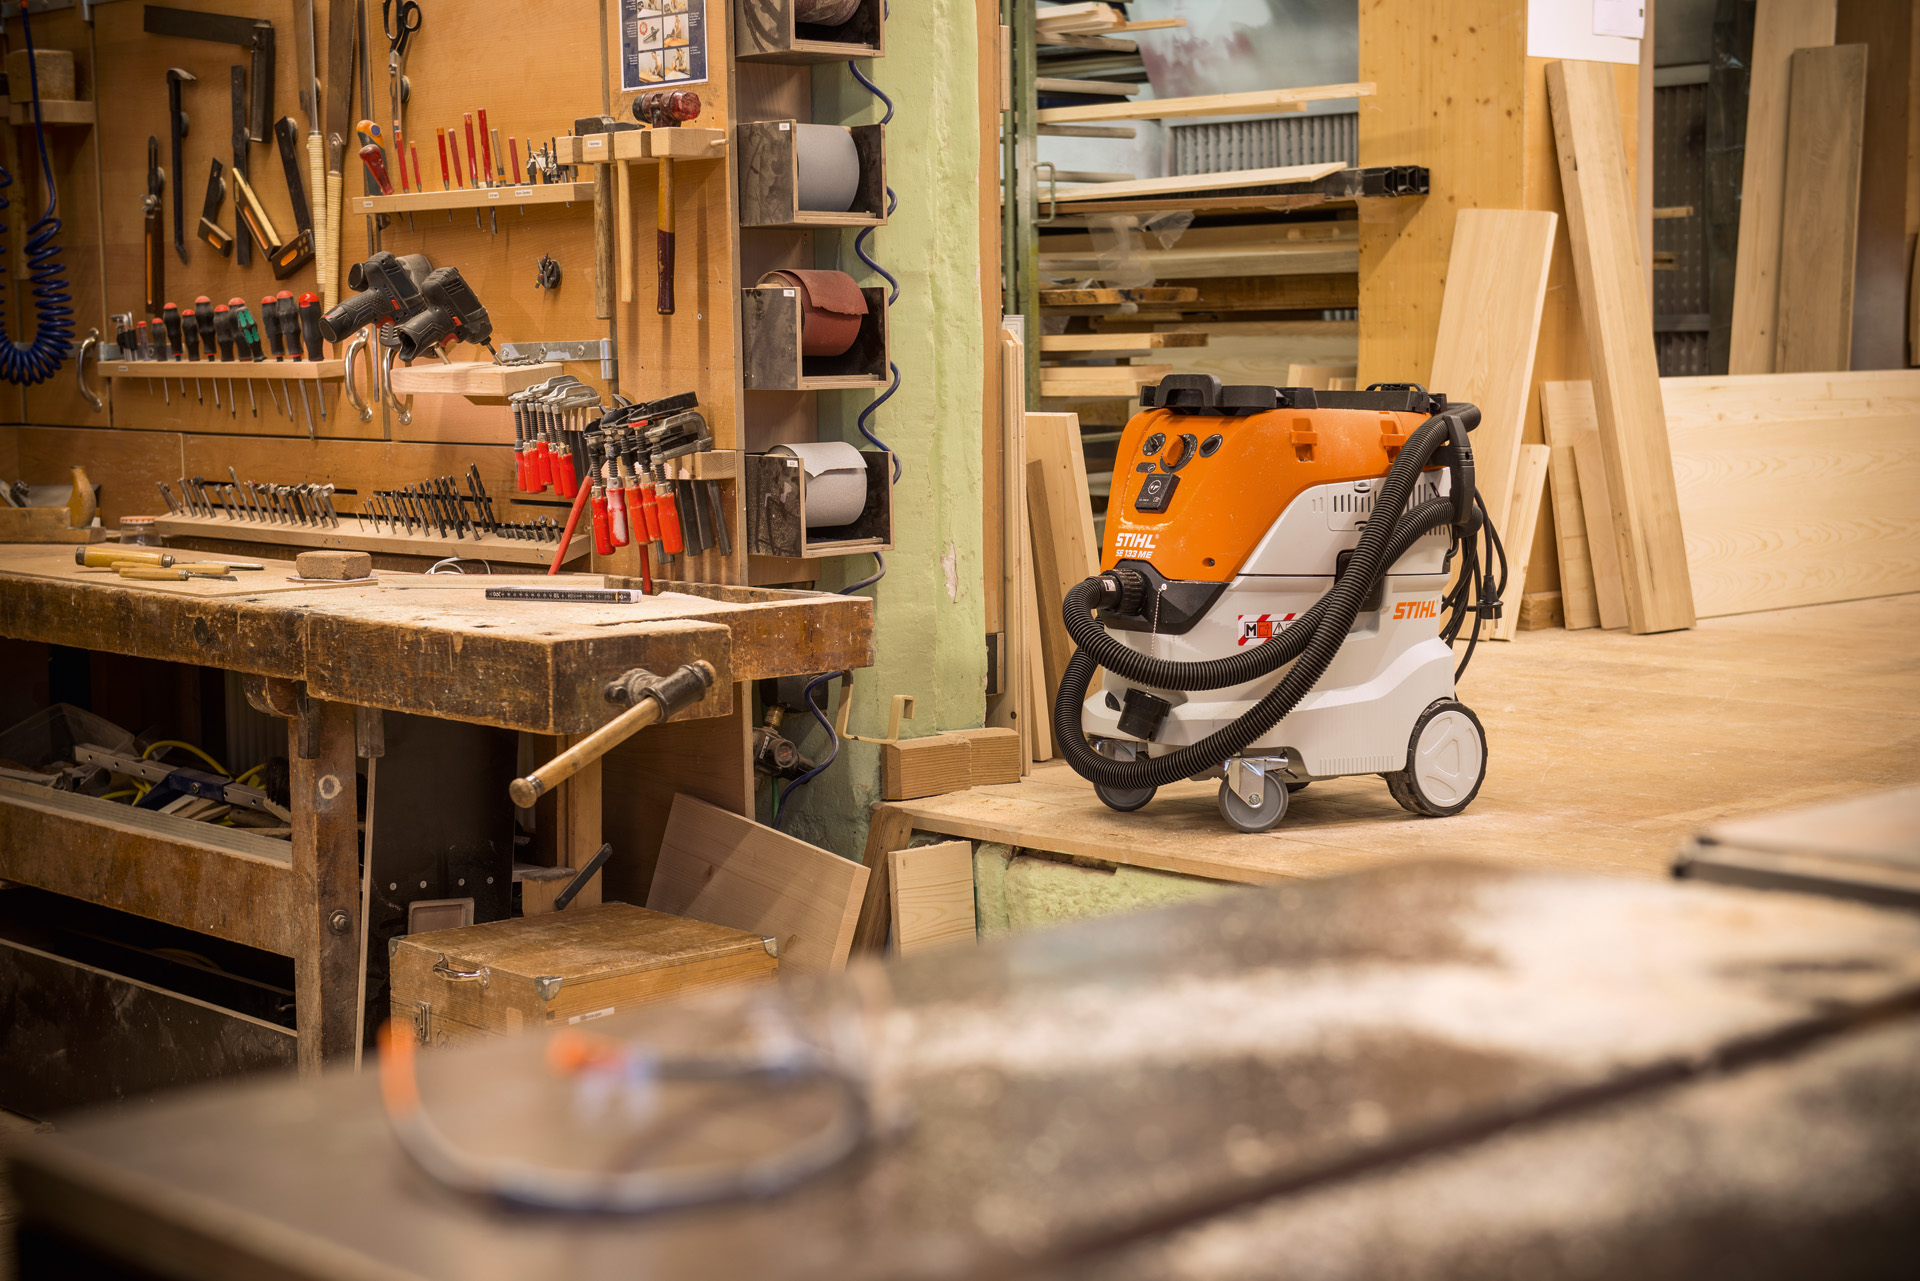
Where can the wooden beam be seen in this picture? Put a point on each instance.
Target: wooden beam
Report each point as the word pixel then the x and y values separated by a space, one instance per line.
pixel 1081 346
pixel 1779 28
pixel 1826 125
pixel 323 899
pixel 1579 606
pixel 1617 315
pixel 1183 183
pixel 1489 331
pixel 1259 102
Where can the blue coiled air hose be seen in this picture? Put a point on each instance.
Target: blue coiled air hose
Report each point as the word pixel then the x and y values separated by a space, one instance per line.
pixel 30 363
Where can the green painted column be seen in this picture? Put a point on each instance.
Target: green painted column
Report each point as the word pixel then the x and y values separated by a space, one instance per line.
pixel 929 614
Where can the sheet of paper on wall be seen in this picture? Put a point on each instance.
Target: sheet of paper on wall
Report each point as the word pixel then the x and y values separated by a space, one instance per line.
pixel 1624 18
pixel 1573 29
pixel 663 43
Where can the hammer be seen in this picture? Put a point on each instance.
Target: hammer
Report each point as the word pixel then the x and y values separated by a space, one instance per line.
pixel 665 109
pixel 607 214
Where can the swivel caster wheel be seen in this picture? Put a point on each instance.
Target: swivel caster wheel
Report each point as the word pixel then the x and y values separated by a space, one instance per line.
pixel 1124 799
pixel 1446 762
pixel 1254 818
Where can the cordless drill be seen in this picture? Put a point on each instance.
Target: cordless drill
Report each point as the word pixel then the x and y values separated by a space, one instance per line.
pixel 451 313
pixel 387 291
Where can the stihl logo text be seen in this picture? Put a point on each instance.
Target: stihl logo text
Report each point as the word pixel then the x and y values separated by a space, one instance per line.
pixel 1416 609
pixel 1134 542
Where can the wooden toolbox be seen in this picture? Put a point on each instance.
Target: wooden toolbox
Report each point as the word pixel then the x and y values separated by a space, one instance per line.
pixel 564 967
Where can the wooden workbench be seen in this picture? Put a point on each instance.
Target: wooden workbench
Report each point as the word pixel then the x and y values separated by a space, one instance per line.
pixel 313 654
pixel 1422 1071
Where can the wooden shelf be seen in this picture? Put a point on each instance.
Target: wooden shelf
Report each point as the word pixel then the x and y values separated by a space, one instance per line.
pixel 777 510
pixel 480 380
pixel 770 179
pixel 766 32
pixel 638 146
pixel 247 370
pixel 348 537
pixel 560 193
pixel 51 113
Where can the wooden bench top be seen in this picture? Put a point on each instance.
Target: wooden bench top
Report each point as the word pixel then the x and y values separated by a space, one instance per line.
pixel 417 643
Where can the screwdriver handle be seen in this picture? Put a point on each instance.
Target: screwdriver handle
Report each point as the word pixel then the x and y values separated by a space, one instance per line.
pixel 446 181
pixel 170 315
pixel 101 556
pixel 376 162
pixel 473 156
pixel 399 156
pixel 249 332
pixel 270 317
pixel 192 335
pixel 418 183
pixel 486 151
pixel 142 571
pixel 310 325
pixel 203 319
pixel 223 330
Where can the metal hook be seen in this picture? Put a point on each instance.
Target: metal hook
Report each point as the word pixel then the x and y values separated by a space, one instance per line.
pixel 90 343
pixel 356 345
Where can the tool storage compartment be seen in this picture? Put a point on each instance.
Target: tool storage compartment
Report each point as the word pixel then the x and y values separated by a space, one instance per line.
pixel 575 966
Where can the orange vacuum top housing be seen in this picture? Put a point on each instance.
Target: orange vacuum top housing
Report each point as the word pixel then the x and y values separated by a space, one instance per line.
pixel 1220 482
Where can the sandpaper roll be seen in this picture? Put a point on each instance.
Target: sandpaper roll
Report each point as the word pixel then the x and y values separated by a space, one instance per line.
pixel 836 481
pixel 831 306
pixel 825 13
pixel 829 166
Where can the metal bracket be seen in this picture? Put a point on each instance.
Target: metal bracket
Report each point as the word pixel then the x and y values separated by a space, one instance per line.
pixel 1250 776
pixel 546 987
pixel 533 353
pixel 423 1022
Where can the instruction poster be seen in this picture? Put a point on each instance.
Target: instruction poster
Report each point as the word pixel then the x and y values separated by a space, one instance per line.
pixel 662 42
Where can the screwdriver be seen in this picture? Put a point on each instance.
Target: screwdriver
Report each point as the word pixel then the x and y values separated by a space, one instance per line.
pixel 418 183
pixel 191 332
pixel 223 334
pixel 288 315
pixel 158 348
pixel 171 319
pixel 250 348
pixel 203 320
pixel 310 332
pixel 276 336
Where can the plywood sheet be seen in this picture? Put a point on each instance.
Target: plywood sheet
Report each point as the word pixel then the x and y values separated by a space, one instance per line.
pixel 1779 28
pixel 1618 319
pixel 1795 489
pixel 1826 124
pixel 932 889
pixel 1489 329
pixel 1066 550
pixel 720 867
pixel 1579 607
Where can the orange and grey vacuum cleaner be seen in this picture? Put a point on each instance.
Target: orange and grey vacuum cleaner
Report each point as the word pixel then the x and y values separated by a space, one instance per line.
pixel 1274 607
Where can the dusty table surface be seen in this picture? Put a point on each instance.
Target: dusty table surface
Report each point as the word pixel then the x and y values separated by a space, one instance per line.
pixel 1103 1086
pixel 1605 752
pixel 445 652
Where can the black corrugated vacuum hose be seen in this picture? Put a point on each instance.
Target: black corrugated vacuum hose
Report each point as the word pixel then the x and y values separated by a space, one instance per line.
pixel 1313 639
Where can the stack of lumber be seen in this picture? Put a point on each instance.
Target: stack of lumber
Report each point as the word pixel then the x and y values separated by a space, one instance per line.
pixel 1092 20
pixel 1793 489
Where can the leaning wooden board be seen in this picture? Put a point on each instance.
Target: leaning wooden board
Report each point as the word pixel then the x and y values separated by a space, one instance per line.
pixel 1794 489
pixel 1618 318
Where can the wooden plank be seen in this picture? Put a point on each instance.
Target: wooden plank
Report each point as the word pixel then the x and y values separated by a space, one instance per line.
pixel 1092 380
pixel 889 828
pixel 928 766
pixel 721 867
pixel 1887 209
pixel 325 880
pixel 1579 606
pixel 1008 708
pixel 1320 377
pixel 1096 88
pixel 932 897
pixel 1489 331
pixel 1596 500
pixel 214 880
pixel 1826 125
pixel 1115 296
pixel 1260 101
pixel 1517 534
pixel 1619 324
pixel 470 378
pixel 1080 346
pixel 1779 28
pixel 1039 690
pixel 1270 294
pixel 1198 182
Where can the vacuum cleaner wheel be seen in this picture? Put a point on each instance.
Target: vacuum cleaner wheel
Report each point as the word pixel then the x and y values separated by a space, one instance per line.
pixel 1124 799
pixel 1254 818
pixel 1446 761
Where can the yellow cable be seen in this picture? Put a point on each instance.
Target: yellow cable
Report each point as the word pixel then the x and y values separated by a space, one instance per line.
pixel 218 768
pixel 250 773
pixel 114 796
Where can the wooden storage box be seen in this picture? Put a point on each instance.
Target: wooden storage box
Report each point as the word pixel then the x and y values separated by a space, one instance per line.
pixel 766 32
pixel 501 977
pixel 777 510
pixel 770 322
pixel 770 178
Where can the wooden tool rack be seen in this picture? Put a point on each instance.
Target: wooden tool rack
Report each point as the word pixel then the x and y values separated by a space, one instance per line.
pixel 323 657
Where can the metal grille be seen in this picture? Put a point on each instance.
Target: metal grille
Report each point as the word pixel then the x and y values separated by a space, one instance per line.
pixel 1265 144
pixel 1680 293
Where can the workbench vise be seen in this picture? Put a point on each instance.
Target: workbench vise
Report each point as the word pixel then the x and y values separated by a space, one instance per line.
pixel 648 698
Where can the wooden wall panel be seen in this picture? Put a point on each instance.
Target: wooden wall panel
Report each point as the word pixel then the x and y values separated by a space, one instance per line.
pixel 1826 122
pixel 125 464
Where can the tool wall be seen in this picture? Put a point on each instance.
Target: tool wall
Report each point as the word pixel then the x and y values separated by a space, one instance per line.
pixel 747 344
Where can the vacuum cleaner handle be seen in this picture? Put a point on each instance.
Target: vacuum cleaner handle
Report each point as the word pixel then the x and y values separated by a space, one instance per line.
pixel 1461 419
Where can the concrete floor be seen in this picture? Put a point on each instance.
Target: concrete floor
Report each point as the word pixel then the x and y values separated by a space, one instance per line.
pixel 1605 751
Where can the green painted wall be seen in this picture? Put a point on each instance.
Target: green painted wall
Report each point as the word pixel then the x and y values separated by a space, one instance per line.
pixel 929 615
